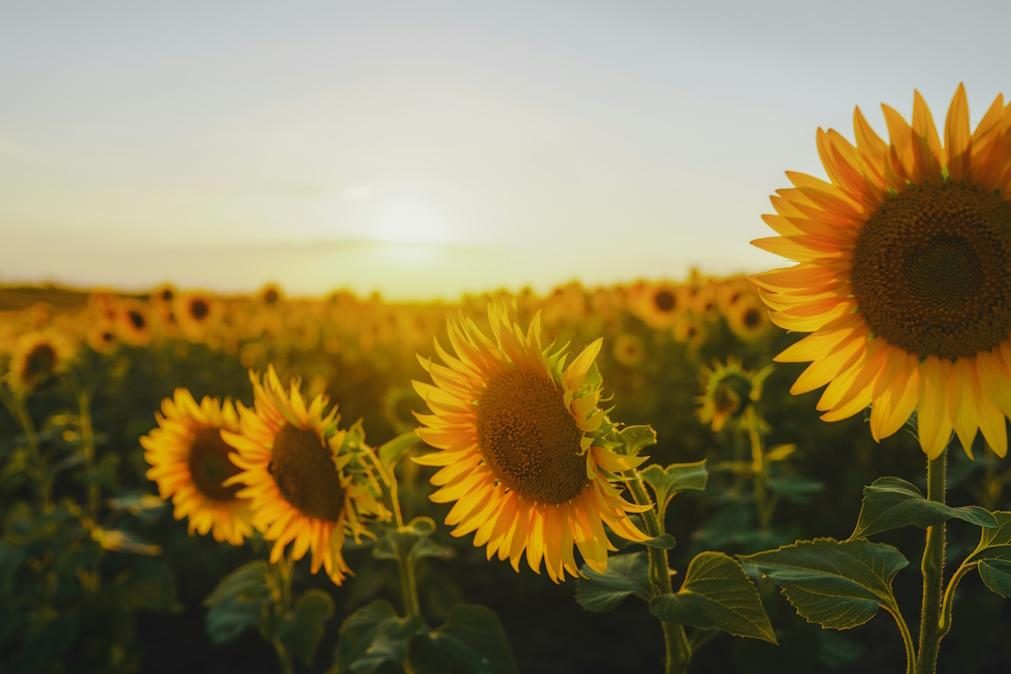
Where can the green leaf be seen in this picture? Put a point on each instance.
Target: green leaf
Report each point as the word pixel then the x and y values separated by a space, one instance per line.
pixel 677 477
pixel 301 630
pixel 992 555
pixel 240 601
pixel 637 438
pixel 471 641
pixel 391 452
pixel 795 489
pixel 996 575
pixel 627 574
pixel 413 539
pixel 372 636
pixel 663 541
pixel 11 557
pixel 891 502
pixel 148 584
pixel 837 584
pixel 716 595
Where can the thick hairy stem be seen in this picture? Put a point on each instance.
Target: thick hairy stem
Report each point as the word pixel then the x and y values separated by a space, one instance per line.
pixel 284 571
pixel 678 650
pixel 932 567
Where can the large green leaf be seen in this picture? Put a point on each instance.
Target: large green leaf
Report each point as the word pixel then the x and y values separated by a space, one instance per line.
pixel 240 601
pixel 716 595
pixel 667 481
pixel 891 502
pixel 626 574
pixel 372 636
pixel 837 584
pixel 471 641
pixel 302 628
pixel 992 555
pixel 414 539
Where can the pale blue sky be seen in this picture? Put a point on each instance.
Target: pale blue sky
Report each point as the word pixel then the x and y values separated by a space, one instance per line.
pixel 222 144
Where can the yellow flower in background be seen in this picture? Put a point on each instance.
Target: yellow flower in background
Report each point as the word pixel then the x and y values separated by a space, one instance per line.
pixel 164 294
pixel 728 390
pixel 519 454
pixel 191 464
pixel 133 323
pixel 195 313
pixel 658 304
pixel 102 337
pixel 748 319
pixel 309 482
pixel 689 330
pixel 36 357
pixel 903 274
pixel 271 294
pixel 628 349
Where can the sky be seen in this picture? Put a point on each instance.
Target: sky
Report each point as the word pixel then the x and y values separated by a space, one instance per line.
pixel 431 148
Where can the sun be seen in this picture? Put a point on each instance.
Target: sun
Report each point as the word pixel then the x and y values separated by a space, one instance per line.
pixel 410 222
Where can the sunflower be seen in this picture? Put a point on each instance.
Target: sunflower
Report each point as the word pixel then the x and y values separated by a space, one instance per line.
pixel 191 464
pixel 688 329
pixel 728 391
pixel 195 312
pixel 521 456
pixel 309 482
pixel 133 323
pixel 164 294
pixel 748 319
pixel 102 337
pixel 904 274
pixel 36 357
pixel 658 303
pixel 271 294
pixel 628 349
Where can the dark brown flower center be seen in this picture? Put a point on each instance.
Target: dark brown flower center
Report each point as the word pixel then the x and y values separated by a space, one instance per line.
pixel 136 319
pixel 665 300
pixel 199 308
pixel 305 474
pixel 210 466
pixel 529 439
pixel 730 394
pixel 752 317
pixel 932 270
pixel 40 361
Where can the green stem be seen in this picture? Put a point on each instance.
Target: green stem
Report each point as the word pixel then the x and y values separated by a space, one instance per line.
pixel 948 602
pixel 405 565
pixel 762 504
pixel 15 404
pixel 88 452
pixel 907 638
pixel 283 570
pixel 678 650
pixel 932 567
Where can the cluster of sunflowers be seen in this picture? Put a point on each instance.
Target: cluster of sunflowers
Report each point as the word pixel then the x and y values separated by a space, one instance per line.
pixel 902 280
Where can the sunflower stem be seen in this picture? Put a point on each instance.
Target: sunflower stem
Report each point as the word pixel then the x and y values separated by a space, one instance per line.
pixel 408 584
pixel 88 452
pixel 677 648
pixel 283 571
pixel 932 567
pixel 15 404
pixel 763 506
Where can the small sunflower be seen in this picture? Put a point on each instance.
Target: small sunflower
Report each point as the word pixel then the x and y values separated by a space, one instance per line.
pixel 658 304
pixel 628 349
pixel 903 274
pixel 102 337
pixel 271 294
pixel 309 482
pixel 690 330
pixel 195 313
pixel 191 464
pixel 36 357
pixel 164 294
pixel 133 323
pixel 728 391
pixel 748 319
pixel 519 452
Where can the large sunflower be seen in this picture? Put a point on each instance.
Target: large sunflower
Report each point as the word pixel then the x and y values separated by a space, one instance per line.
pixel 191 464
pixel 309 482
pixel 904 274
pixel 518 433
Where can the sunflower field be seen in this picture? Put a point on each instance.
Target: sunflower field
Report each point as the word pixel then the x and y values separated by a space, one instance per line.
pixel 702 473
